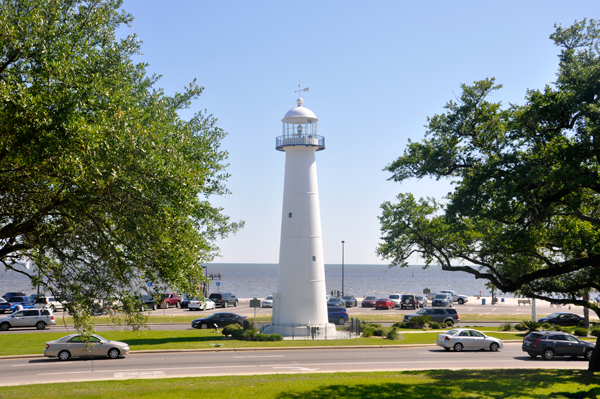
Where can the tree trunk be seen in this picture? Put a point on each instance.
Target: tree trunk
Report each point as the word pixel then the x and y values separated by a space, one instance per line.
pixel 595 359
pixel 586 310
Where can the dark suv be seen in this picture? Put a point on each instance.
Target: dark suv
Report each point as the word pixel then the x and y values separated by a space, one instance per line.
pixel 337 315
pixel 408 301
pixel 554 343
pixel 223 299
pixel 438 315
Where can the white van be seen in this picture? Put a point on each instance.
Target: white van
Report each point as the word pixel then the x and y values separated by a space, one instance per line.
pixel 38 318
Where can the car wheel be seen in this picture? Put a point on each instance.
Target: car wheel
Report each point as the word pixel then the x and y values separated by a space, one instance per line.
pixel 64 355
pixel 588 354
pixel 341 321
pixel 114 353
pixel 203 326
pixel 153 306
pixel 4 326
pixel 461 301
pixel 225 304
pixel 533 355
pixel 177 304
pixel 494 347
pixel 40 325
pixel 235 303
pixel 548 354
pixel 458 347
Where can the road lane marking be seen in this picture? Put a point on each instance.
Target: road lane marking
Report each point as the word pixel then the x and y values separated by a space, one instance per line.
pixel 143 374
pixel 297 368
pixel 245 357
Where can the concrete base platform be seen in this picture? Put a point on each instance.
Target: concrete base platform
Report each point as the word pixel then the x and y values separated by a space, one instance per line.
pixel 326 331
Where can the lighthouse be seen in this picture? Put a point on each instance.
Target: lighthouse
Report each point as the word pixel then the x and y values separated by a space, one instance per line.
pixel 300 304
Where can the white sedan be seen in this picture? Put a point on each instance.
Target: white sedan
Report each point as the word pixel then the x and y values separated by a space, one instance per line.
pixel 468 339
pixel 198 304
pixel 268 302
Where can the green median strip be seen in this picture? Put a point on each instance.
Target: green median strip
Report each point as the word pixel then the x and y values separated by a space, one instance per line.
pixel 430 384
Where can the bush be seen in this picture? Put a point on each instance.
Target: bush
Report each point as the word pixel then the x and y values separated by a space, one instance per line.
pixel 581 332
pixel 546 326
pixel 393 335
pixel 228 330
pixel 583 324
pixel 370 325
pixel 419 321
pixel 595 331
pixel 558 328
pixel 435 326
pixel 367 332
pixel 403 324
pixel 267 337
pixel 532 325
pixel 378 332
pixel 520 327
pixel 506 327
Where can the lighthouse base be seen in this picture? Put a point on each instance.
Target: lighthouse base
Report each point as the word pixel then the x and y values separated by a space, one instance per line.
pixel 295 331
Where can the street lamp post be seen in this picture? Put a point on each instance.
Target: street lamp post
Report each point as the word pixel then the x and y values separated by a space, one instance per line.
pixel 343 268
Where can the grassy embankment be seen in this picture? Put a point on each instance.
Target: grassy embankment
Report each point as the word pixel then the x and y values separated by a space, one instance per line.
pixel 430 384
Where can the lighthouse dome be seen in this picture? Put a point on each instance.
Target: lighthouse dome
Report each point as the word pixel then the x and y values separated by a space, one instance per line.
pixel 299 114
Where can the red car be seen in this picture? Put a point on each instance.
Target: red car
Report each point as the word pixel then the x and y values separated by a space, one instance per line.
pixel 384 303
pixel 172 299
pixel 369 302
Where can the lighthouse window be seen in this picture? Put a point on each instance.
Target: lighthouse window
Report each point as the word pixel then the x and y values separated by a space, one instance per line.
pixel 290 215
pixel 314 258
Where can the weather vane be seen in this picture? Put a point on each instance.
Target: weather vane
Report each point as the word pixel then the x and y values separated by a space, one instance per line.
pixel 300 90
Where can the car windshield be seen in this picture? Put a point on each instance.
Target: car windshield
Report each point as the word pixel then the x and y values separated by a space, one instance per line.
pixel 371 298
pixel 270 297
pixel 346 297
pixel 553 315
pixel 394 296
pixel 421 311
pixel 440 296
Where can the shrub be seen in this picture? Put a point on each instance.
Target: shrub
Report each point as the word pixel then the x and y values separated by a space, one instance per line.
pixel 393 335
pixel 378 332
pixel 583 324
pixel 506 327
pixel 520 327
pixel 532 325
pixel 546 326
pixel 435 326
pixel 228 330
pixel 558 328
pixel 403 324
pixel 267 337
pixel 367 332
pixel 419 321
pixel 371 325
pixel 595 331
pixel 581 332
pixel 398 324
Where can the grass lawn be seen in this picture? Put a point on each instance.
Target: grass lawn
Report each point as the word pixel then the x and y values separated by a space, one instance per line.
pixel 430 384
pixel 26 344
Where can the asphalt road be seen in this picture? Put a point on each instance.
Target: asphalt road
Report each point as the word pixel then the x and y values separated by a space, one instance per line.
pixel 241 362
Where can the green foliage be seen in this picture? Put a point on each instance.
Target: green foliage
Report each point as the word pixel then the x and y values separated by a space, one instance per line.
pixel 393 335
pixel 104 186
pixel 523 212
pixel 520 327
pixel 595 331
pixel 531 325
pixel 435 326
pixel 419 321
pixel 367 332
pixel 378 332
pixel 229 330
pixel 581 332
pixel 369 325
pixel 546 326
pixel 558 328
pixel 506 327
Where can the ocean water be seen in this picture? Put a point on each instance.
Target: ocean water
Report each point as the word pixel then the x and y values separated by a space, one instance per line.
pixel 248 280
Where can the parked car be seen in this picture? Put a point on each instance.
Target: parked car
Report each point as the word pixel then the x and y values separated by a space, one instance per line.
pixel 442 300
pixel 421 300
pixel 350 301
pixel 199 304
pixel 268 302
pixel 468 339
pixel 335 301
pixel 553 343
pixel 220 319
pixel 15 301
pixel 147 302
pixel 384 303
pixel 369 301
pixel 395 298
pixel 38 318
pixel 185 300
pixel 337 315
pixel 171 299
pixel 223 299
pixel 9 295
pixel 561 319
pixel 4 306
pixel 408 301
pixel 438 315
pixel 460 299
pixel 49 302
pixel 73 345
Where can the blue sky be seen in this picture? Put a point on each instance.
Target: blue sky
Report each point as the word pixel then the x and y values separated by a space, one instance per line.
pixel 376 70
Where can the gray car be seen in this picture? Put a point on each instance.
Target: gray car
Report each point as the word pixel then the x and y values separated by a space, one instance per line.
pixel 38 318
pixel 74 346
pixel 554 343
pixel 441 300
pixel 438 315
pixel 468 339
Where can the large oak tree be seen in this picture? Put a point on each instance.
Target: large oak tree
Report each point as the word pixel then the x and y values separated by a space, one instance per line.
pixel 524 212
pixel 102 184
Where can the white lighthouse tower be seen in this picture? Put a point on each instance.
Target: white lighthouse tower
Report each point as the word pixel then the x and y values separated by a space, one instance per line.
pixel 300 305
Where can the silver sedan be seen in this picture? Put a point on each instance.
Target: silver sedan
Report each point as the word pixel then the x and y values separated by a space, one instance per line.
pixel 468 339
pixel 199 304
pixel 73 345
